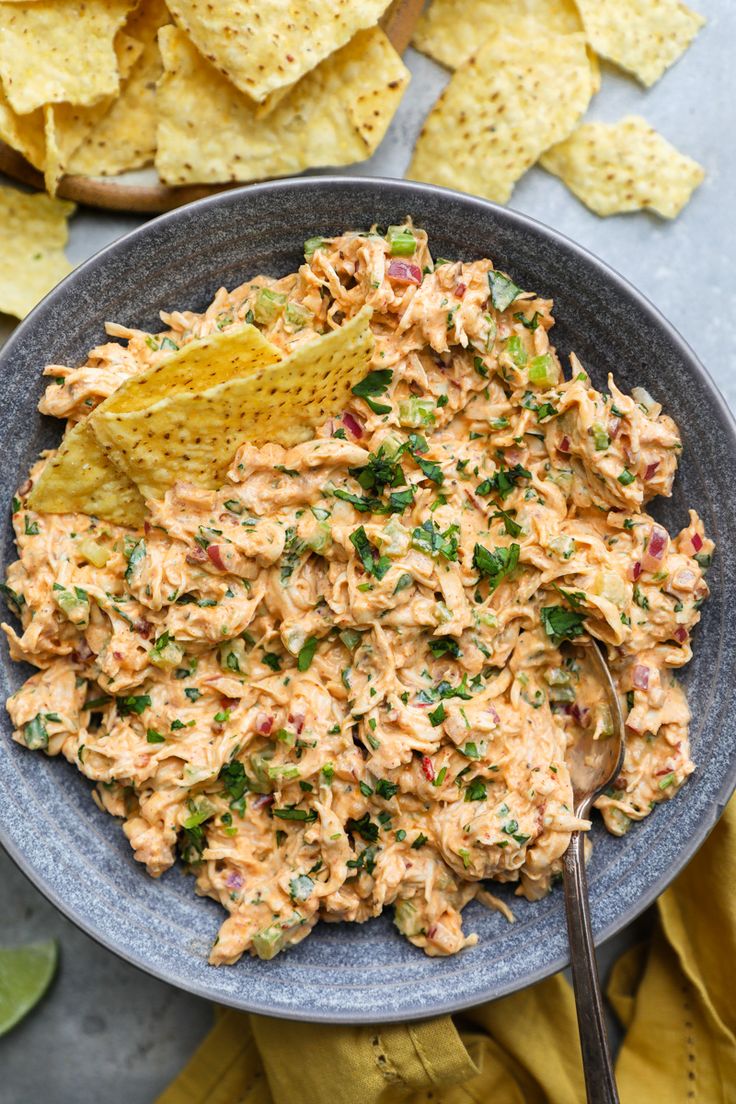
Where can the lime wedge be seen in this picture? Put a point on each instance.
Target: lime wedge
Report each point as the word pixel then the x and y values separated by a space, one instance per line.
pixel 25 975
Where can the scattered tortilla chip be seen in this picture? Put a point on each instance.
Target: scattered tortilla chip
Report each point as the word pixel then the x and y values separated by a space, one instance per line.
pixel 209 132
pixel 643 36
pixel 33 233
pixel 500 111
pixel 125 137
pixel 624 166
pixel 262 47
pixel 66 125
pixel 194 437
pixel 450 31
pixel 54 51
pixel 81 479
pixel 23 133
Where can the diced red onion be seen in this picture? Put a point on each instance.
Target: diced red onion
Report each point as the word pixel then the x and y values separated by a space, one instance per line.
pixel 213 552
pixel 143 627
pixel 564 445
pixel 656 549
pixel 431 931
pixel 297 720
pixel 262 801
pixel 662 772
pixel 234 880
pixel 82 652
pixel 493 714
pixel 697 541
pixel 614 425
pixel 460 290
pixel 428 768
pixel 401 272
pixel 681 634
pixel 352 425
pixel 264 724
pixel 118 656
pixel 196 555
pixel 651 469
pixel 640 677
pixel 635 570
pixel 579 714
pixel 147 528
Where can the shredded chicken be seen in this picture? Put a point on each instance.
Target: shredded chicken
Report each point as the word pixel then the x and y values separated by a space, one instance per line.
pixel 348 679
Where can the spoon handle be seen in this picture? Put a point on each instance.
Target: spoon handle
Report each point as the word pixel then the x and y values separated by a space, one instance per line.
pixel 600 1083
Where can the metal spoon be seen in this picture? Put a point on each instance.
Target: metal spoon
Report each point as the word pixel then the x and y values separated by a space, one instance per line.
pixel 593 765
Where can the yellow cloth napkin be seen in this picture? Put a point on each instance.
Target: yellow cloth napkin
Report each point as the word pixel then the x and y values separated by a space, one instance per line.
pixel 675 997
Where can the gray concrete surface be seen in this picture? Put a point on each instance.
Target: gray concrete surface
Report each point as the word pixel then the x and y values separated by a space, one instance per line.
pixel 106 1034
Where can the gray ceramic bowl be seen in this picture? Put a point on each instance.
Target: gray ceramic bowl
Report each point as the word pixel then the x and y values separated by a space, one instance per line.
pixel 79 858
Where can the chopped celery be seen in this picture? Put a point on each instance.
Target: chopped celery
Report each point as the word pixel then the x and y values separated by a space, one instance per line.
pixel 311 246
pixel 407 919
pixel 516 351
pixel 402 241
pixel 73 603
pixel 296 316
pixel 268 306
pixel 542 370
pixel 601 440
pixel 93 552
pixel 166 653
pixel 416 411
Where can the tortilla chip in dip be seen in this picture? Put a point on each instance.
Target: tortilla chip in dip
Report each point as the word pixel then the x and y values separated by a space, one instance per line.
pixel 501 110
pixel 196 367
pixel 643 36
pixel 624 166
pixel 54 51
pixel 262 47
pixel 209 132
pixel 82 478
pixel 125 137
pixel 450 31
pixel 194 437
pixel 33 233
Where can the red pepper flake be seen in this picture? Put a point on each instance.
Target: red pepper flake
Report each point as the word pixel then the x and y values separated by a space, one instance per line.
pixel 403 273
pixel 651 469
pixel 428 768
pixel 681 634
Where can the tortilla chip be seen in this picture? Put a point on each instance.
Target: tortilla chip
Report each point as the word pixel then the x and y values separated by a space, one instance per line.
pixel 262 47
pixel 197 367
pixel 500 111
pixel 195 437
pixel 624 166
pixel 33 233
pixel 66 125
pixel 81 479
pixel 54 51
pixel 125 137
pixel 450 31
pixel 209 132
pixel 23 133
pixel 643 36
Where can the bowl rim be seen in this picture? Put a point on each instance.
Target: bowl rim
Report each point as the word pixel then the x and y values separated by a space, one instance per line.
pixel 621 285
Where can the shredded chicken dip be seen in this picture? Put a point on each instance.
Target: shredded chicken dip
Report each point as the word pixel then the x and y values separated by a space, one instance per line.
pixel 344 681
